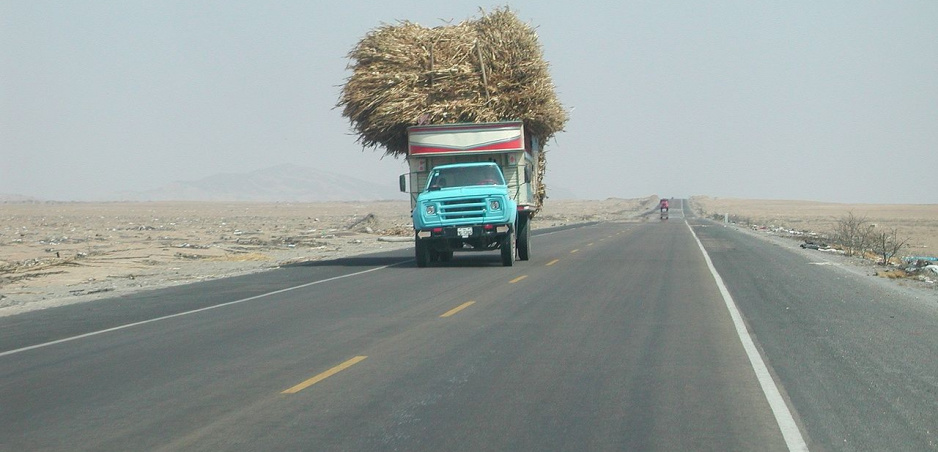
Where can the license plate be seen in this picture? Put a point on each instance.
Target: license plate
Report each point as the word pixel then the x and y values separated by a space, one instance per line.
pixel 464 232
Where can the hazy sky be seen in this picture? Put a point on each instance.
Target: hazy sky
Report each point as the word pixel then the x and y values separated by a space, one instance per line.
pixel 813 100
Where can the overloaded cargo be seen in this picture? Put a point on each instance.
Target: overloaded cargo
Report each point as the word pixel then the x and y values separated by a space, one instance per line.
pixel 481 70
pixel 470 106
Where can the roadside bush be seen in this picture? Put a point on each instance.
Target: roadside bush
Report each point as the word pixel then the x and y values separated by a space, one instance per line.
pixel 856 236
pixel 887 244
pixel 853 234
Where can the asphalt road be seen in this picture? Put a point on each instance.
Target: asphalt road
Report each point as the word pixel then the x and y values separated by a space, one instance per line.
pixel 614 336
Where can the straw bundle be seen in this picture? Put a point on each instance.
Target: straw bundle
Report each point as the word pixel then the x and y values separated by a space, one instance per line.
pixel 484 70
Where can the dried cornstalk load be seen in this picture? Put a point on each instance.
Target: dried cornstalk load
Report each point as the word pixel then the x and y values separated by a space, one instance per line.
pixel 483 70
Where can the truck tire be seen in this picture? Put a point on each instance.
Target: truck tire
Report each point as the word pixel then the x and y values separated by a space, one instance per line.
pixel 508 251
pixel 524 237
pixel 422 253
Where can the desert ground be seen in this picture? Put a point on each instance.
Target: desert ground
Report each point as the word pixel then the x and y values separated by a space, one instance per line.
pixel 916 222
pixel 54 253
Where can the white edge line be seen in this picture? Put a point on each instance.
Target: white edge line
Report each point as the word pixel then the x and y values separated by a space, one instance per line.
pixel 180 314
pixel 783 416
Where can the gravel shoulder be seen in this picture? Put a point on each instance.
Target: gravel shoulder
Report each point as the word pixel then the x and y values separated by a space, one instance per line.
pixel 775 227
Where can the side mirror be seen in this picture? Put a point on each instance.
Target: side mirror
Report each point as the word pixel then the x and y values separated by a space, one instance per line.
pixel 402 181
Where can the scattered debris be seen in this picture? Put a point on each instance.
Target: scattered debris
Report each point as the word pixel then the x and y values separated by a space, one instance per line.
pixel 364 223
pixel 197 241
pixel 190 256
pixel 894 273
pixel 809 245
pixel 189 245
pixel 407 239
pixel 90 291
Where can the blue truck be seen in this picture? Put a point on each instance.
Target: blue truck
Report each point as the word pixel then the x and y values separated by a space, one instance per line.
pixel 473 187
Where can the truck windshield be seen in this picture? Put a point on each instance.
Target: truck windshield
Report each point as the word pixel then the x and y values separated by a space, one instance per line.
pixel 464 176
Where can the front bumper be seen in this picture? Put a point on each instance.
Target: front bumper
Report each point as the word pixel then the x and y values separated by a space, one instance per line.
pixel 465 232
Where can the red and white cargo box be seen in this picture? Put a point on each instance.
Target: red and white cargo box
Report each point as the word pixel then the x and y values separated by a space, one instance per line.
pixel 465 138
pixel 505 143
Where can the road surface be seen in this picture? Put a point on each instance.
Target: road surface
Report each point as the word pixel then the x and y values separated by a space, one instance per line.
pixel 614 336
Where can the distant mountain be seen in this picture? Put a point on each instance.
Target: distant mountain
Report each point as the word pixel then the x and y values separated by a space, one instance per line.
pixel 15 198
pixel 287 183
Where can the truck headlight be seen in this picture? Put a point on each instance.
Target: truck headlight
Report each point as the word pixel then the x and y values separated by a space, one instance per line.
pixel 431 209
pixel 494 204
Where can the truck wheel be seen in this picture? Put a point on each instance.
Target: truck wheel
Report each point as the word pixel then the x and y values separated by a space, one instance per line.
pixel 524 237
pixel 422 253
pixel 508 252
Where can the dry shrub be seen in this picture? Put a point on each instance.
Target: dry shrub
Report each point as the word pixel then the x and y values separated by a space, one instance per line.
pixel 892 274
pixel 483 70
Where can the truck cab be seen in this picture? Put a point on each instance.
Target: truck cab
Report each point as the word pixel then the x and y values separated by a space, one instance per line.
pixel 464 207
pixel 472 188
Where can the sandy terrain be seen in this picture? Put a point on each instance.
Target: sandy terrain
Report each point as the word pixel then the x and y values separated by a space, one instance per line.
pixel 803 221
pixel 916 222
pixel 58 253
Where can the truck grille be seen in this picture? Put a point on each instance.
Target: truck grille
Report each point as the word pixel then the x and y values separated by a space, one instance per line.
pixel 466 209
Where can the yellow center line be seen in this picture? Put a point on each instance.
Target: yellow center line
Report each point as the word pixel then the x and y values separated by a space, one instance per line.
pixel 574 251
pixel 517 279
pixel 552 262
pixel 324 375
pixel 458 308
pixel 589 244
